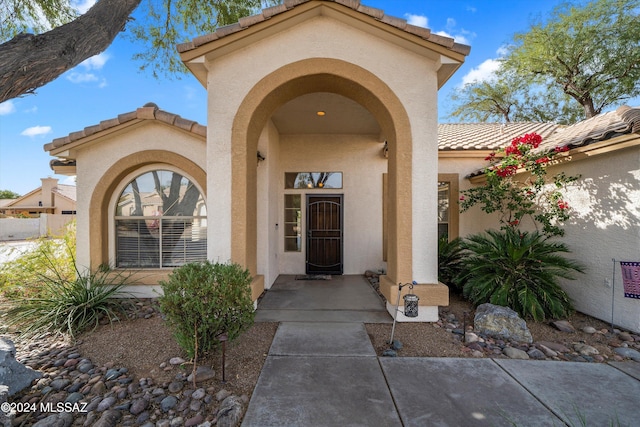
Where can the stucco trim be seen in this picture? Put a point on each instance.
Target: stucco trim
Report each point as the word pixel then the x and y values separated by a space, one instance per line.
pixel 322 75
pixel 108 183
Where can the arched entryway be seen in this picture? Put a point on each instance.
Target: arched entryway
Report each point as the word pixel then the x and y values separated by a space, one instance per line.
pixel 312 76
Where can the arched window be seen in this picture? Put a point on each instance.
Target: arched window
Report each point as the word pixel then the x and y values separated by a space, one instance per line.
pixel 160 222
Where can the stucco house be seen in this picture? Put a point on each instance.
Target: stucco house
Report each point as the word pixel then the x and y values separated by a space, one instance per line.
pixel 50 198
pixel 322 132
pixel 323 155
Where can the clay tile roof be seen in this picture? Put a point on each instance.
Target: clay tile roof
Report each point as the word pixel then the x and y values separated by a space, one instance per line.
pixel 68 191
pixel 149 111
pixel 623 120
pixel 375 13
pixel 487 136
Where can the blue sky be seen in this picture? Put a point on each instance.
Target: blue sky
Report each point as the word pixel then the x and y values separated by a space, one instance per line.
pixel 110 83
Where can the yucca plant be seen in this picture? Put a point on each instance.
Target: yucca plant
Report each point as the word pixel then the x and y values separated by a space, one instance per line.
pixel 68 306
pixel 450 255
pixel 519 270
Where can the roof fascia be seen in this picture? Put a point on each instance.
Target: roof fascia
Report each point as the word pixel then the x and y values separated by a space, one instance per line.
pixel 195 59
pixel 70 150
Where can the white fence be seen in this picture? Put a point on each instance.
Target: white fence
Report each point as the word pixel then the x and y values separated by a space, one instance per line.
pixel 32 228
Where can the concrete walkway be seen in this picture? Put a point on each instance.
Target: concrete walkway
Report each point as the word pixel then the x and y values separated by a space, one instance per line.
pixel 326 373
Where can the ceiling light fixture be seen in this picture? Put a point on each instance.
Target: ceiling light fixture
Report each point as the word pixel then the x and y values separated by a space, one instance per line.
pixel 320 113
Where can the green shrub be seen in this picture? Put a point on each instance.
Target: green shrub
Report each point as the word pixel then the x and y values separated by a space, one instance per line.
pixel 50 258
pixel 450 255
pixel 68 306
pixel 203 300
pixel 519 270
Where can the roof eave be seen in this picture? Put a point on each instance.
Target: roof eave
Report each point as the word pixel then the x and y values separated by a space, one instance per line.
pixel 208 47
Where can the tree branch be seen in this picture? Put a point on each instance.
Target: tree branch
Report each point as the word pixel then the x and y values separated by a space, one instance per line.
pixel 31 61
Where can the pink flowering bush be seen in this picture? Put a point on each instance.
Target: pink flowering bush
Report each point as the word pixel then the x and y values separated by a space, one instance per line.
pixel 517 186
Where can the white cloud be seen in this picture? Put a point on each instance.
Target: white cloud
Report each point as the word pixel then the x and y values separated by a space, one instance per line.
pixel 7 107
pixel 75 77
pixel 502 51
pixel 36 131
pixel 483 72
pixel 96 62
pixel 83 5
pixel 417 20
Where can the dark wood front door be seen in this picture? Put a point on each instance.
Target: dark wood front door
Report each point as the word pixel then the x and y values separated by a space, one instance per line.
pixel 324 234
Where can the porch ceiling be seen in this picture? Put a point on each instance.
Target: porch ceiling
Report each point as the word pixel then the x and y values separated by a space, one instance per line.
pixel 342 116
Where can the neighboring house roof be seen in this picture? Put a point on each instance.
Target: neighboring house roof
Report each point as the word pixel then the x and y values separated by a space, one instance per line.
pixel 66 191
pixel 487 136
pixel 63 190
pixel 149 111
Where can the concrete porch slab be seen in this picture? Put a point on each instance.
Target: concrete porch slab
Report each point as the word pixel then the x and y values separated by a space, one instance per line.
pixel 460 392
pixel 321 339
pixel 321 391
pixel 596 392
pixel 264 315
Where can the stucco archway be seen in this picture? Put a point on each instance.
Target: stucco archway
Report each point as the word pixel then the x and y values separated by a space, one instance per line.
pixel 353 82
pixel 102 195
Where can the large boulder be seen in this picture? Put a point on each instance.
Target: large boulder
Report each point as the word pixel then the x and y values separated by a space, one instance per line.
pixel 501 322
pixel 14 374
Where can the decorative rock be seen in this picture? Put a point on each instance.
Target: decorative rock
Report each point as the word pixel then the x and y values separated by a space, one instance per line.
pixel 177 422
pixel 194 421
pixel 554 346
pixel 536 354
pixel 198 394
pixel 546 350
pixel 389 353
pixel 176 361
pixel 515 353
pixel 628 353
pixel 470 337
pixel 563 326
pixel 175 386
pixel 589 330
pixel 477 354
pixel 106 403
pixel 396 345
pixel 203 373
pixel 138 406
pixel 168 403
pixel 501 322
pixel 109 419
pixel 625 336
pixel 230 412
pixel 61 419
pixel 14 374
pixel 60 383
pixel 584 349
pixel 222 394
pixel 112 374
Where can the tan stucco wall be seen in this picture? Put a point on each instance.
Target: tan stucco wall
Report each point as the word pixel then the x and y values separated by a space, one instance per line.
pixel 359 158
pixel 316 59
pixel 102 168
pixel 605 225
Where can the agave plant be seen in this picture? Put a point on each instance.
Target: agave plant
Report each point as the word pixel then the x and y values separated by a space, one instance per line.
pixel 519 270
pixel 69 306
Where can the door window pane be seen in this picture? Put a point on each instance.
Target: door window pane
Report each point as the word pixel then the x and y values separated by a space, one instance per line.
pixel 292 223
pixel 313 180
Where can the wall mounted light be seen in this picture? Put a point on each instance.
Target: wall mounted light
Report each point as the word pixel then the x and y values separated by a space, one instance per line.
pixel 261 157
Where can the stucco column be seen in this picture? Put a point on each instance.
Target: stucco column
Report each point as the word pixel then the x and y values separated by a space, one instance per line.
pixel 425 201
pixel 219 179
